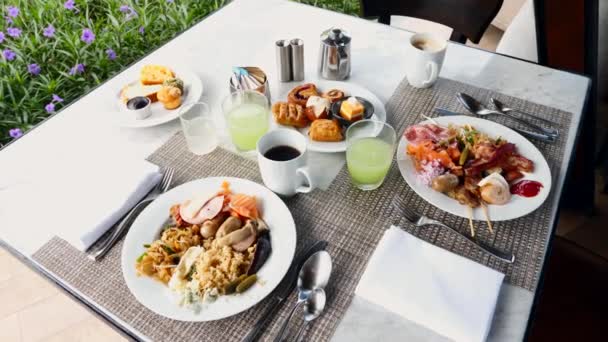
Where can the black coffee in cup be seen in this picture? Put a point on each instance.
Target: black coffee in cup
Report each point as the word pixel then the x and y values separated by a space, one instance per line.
pixel 282 153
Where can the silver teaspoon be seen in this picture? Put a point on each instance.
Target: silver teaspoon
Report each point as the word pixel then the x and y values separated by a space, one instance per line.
pixel 475 107
pixel 312 309
pixel 314 274
pixel 501 107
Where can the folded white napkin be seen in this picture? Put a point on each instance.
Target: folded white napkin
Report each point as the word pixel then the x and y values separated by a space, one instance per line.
pixel 442 291
pixel 82 202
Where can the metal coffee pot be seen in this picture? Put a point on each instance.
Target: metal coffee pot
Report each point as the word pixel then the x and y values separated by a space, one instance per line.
pixel 334 54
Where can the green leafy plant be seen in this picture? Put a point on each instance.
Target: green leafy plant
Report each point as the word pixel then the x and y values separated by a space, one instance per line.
pixel 54 51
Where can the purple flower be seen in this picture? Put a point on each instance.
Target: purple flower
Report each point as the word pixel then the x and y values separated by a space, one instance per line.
pixel 111 54
pixel 56 98
pixel 14 32
pixel 1 36
pixel 9 54
pixel 128 11
pixel 50 107
pixel 12 11
pixel 77 69
pixel 87 36
pixel 170 1
pixel 49 31
pixel 141 30
pixel 15 133
pixel 33 69
pixel 69 5
pixel 8 19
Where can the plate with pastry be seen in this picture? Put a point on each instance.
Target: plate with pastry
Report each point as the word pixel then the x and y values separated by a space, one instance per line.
pixel 155 95
pixel 323 110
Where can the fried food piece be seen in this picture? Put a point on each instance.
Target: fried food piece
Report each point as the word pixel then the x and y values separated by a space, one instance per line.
pixel 171 97
pixel 155 74
pixel 289 114
pixel 300 94
pixel 325 130
pixel 334 95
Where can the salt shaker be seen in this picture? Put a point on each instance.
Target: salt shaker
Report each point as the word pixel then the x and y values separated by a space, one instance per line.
pixel 283 52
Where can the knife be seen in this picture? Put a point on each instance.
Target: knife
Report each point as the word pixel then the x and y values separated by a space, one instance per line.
pixel 532 135
pixel 283 290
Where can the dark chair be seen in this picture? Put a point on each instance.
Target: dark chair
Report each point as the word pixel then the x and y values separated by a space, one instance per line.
pixel 573 303
pixel 468 18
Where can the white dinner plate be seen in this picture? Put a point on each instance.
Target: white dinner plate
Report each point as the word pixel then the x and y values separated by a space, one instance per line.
pixel 517 207
pixel 157 297
pixel 193 89
pixel 350 89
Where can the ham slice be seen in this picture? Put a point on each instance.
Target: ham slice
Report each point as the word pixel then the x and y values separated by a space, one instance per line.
pixel 416 134
pixel 199 210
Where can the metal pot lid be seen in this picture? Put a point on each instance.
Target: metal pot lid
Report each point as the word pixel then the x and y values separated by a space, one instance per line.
pixel 335 36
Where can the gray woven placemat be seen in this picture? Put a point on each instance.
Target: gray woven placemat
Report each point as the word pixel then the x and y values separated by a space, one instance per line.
pixel 352 221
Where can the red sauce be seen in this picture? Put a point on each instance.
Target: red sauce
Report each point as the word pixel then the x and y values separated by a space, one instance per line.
pixel 526 188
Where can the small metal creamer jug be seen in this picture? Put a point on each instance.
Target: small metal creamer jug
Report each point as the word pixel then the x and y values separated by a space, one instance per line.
pixel 334 54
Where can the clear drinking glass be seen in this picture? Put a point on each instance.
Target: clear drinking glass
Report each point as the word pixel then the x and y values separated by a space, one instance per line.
pixel 199 127
pixel 247 117
pixel 369 152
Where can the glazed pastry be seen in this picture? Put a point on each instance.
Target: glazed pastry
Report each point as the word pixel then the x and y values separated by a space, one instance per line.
pixel 317 108
pixel 289 114
pixel 300 94
pixel 171 97
pixel 155 74
pixel 351 109
pixel 325 130
pixel 334 95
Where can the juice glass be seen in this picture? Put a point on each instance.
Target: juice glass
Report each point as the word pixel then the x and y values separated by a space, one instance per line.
pixel 247 118
pixel 369 152
pixel 199 128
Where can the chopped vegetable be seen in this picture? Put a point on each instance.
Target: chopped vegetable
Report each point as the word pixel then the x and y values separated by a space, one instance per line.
pixel 141 257
pixel 168 249
pixel 146 245
pixel 463 156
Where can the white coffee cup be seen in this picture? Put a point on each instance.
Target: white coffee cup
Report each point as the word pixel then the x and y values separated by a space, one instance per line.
pixel 425 55
pixel 288 177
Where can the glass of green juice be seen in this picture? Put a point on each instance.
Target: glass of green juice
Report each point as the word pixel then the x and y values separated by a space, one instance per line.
pixel 247 117
pixel 369 152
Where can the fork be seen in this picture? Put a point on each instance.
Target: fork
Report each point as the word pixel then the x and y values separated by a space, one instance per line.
pixel 421 220
pixel 126 222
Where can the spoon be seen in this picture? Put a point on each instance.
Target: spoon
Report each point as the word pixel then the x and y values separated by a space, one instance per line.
pixel 312 309
pixel 477 108
pixel 314 274
pixel 502 108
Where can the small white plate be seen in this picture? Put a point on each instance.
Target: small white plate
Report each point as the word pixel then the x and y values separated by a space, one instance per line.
pixel 350 89
pixel 517 207
pixel 157 297
pixel 193 89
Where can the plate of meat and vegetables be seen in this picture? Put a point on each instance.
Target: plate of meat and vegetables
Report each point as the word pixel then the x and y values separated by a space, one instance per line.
pixel 474 168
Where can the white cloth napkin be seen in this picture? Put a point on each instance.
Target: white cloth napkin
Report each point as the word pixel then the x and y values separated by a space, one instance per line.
pixel 81 204
pixel 442 291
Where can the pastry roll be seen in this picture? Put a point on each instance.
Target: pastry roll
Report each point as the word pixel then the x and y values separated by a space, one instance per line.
pixel 334 95
pixel 300 94
pixel 325 130
pixel 289 114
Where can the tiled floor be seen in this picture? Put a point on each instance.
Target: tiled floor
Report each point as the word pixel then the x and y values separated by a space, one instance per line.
pixel 32 309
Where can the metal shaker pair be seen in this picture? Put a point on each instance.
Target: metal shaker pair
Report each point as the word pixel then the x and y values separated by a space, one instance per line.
pixel 290 59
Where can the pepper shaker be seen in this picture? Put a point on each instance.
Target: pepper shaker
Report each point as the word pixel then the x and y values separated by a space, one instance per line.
pixel 297 59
